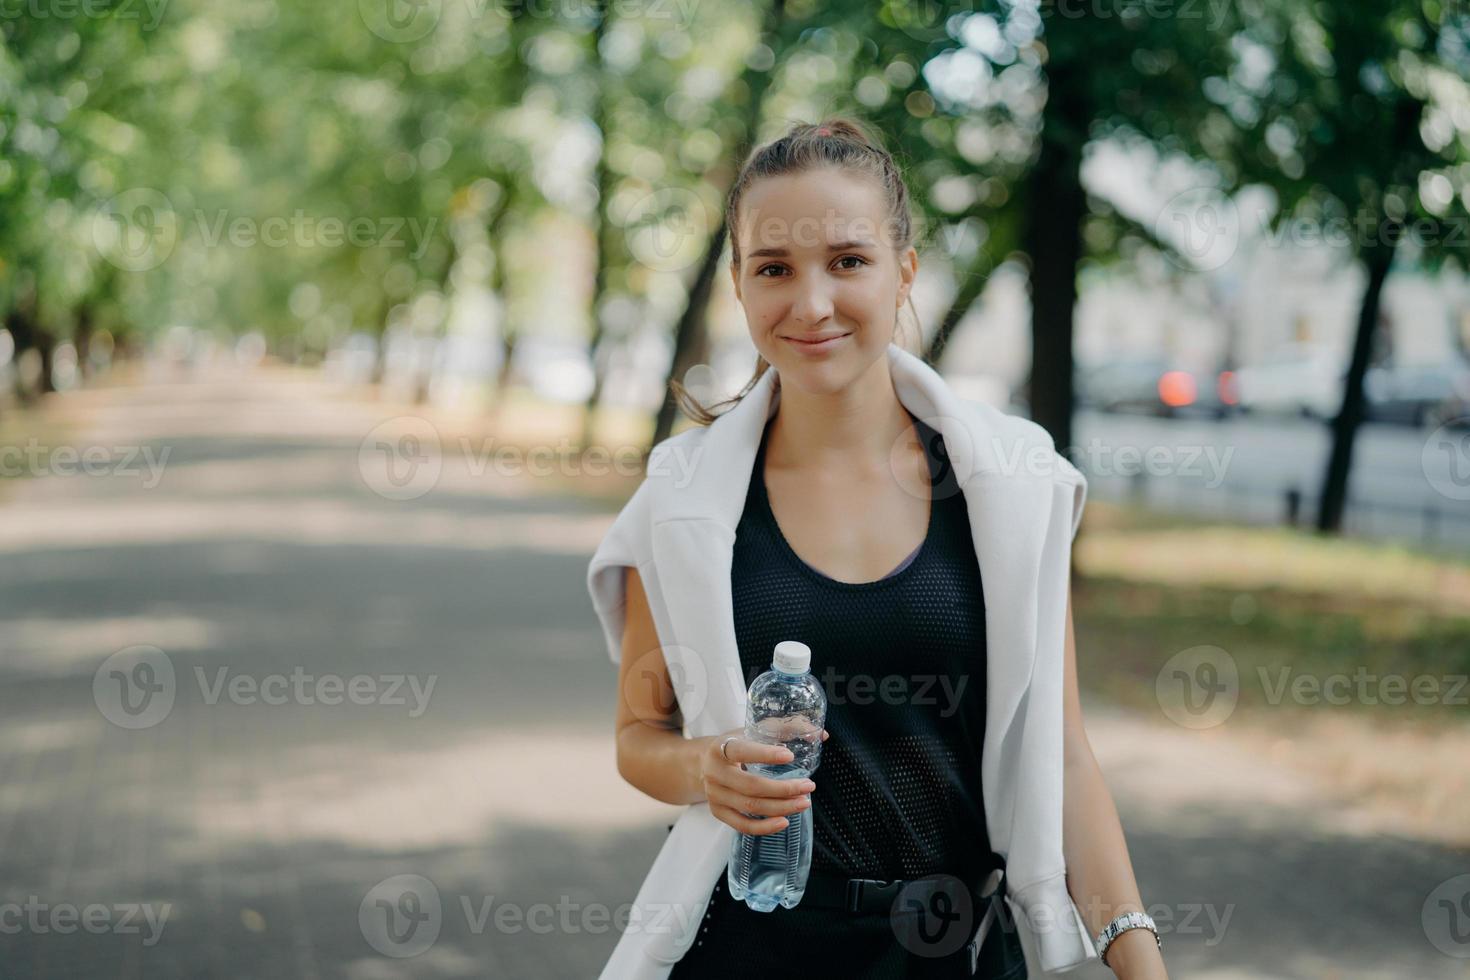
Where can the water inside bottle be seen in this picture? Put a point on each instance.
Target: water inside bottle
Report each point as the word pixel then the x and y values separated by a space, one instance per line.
pixel 768 870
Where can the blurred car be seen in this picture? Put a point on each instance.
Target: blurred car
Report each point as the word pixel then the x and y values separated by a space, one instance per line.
pixel 1299 379
pixel 1152 386
pixel 1418 394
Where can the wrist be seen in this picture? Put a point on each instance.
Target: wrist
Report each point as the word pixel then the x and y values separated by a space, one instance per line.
pixel 1135 955
pixel 695 749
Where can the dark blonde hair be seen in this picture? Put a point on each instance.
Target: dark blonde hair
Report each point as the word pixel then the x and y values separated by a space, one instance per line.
pixel 838 142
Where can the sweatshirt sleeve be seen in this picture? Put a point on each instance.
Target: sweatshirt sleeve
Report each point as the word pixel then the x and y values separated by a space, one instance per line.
pixel 1069 473
pixel 1065 472
pixel 620 548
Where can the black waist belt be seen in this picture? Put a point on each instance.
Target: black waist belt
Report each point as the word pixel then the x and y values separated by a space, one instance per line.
pixel 825 889
pixel 898 897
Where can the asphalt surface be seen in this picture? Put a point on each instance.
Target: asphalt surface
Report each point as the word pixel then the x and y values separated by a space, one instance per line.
pixel 272 711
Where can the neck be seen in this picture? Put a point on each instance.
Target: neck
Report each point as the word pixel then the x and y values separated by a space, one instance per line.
pixel 833 430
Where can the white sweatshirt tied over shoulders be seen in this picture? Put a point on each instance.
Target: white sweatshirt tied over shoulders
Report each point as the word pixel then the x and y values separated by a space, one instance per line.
pixel 1024 501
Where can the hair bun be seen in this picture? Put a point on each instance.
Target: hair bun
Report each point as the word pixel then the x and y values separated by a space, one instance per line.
pixel 842 127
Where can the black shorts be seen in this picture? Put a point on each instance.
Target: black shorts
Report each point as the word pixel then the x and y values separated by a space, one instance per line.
pixel 737 942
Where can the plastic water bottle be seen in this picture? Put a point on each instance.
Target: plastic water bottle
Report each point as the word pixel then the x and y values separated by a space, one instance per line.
pixel 784 706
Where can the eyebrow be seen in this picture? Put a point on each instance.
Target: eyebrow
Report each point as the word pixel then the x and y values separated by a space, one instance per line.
pixel 781 253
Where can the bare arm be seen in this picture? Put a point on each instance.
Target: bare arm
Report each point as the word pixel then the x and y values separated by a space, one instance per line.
pixel 653 754
pixel 656 758
pixel 1099 872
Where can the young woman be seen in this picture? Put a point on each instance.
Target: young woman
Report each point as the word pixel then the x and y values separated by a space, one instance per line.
pixel 855 538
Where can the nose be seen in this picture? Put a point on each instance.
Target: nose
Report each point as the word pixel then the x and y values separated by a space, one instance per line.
pixel 812 305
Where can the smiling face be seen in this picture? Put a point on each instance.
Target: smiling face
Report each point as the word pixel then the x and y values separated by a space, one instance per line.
pixel 819 278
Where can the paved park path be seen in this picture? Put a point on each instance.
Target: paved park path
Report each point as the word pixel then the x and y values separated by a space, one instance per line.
pixel 465 790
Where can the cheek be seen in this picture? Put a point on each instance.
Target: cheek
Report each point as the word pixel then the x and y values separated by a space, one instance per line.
pixel 869 299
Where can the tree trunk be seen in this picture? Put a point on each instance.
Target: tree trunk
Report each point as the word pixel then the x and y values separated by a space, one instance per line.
pixel 972 284
pixel 687 336
pixel 27 334
pixel 82 340
pixel 1051 235
pixel 1377 260
pixel 603 229
pixel 1053 242
pixel 495 235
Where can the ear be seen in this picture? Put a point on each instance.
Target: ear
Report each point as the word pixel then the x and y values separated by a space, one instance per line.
pixel 908 270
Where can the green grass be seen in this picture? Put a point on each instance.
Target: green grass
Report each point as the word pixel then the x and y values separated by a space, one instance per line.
pixel 1272 598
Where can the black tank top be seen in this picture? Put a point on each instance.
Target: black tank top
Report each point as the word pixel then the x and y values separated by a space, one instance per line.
pixel 902 661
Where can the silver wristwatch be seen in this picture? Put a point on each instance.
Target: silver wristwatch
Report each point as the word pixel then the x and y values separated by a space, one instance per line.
pixel 1120 925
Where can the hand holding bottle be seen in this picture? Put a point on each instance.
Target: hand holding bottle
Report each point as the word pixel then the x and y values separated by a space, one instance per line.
pixel 752 804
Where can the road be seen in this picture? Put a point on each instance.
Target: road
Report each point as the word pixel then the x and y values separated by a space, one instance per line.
pixel 1406 483
pixel 461 802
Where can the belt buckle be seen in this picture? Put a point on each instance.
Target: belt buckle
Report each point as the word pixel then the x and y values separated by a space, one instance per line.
pixel 991 894
pixel 858 887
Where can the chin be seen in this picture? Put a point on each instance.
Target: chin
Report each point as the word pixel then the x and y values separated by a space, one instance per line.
pixel 826 373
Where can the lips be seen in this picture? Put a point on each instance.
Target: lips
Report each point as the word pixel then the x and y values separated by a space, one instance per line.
pixel 816 338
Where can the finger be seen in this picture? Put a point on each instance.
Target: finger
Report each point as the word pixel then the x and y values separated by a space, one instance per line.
pixel 744 750
pixel 825 734
pixel 744 824
pixel 751 784
pixel 759 806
